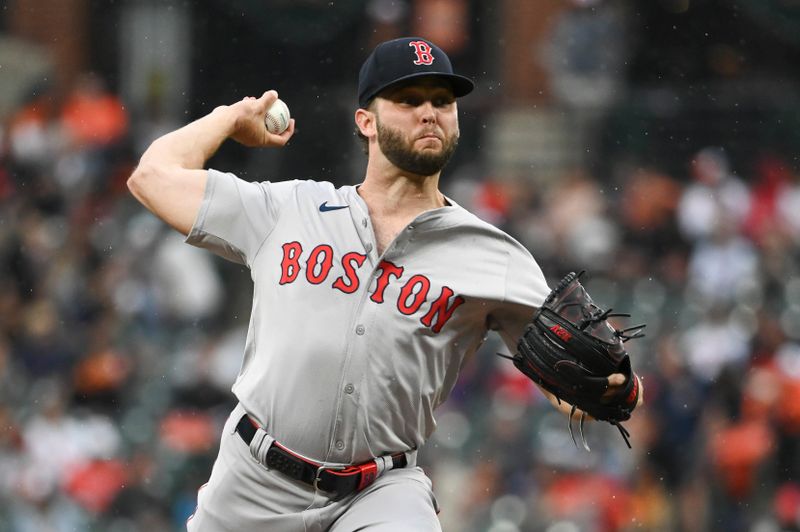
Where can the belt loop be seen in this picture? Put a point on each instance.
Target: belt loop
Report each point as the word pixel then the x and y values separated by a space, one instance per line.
pixel 260 444
pixel 236 416
pixel 384 463
pixel 411 458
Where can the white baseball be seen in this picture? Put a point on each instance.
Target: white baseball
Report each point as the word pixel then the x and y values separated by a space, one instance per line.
pixel 277 119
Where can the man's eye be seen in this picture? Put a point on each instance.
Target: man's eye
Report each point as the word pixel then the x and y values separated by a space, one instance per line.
pixel 411 100
pixel 442 102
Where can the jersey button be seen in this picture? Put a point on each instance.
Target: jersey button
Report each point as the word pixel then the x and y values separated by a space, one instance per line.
pixel 340 445
pixel 349 388
pixel 368 247
pixel 364 222
pixel 360 330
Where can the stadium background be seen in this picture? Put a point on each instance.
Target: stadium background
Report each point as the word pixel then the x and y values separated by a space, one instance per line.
pixel 653 143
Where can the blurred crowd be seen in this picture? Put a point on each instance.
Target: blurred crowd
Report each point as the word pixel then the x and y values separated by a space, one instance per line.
pixel 110 365
pixel 119 343
pixel 709 261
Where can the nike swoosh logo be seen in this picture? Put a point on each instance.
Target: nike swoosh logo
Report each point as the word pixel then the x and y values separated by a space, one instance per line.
pixel 325 207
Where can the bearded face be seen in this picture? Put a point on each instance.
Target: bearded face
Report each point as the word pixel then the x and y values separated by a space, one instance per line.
pixel 400 150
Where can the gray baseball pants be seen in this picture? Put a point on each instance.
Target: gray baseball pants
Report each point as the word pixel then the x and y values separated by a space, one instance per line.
pixel 243 495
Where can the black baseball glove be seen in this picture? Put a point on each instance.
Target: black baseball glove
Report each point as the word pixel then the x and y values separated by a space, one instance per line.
pixel 570 349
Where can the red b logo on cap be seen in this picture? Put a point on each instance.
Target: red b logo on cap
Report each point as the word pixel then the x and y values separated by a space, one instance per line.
pixel 423 51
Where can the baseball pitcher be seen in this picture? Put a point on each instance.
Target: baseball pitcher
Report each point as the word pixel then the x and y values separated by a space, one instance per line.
pixel 367 300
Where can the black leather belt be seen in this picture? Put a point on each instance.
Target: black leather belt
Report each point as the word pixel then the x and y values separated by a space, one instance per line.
pixel 341 480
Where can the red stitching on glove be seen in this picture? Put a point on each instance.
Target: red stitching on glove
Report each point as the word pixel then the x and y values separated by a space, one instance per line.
pixel 635 391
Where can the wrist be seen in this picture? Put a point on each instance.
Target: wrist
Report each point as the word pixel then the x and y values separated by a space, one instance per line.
pixel 224 119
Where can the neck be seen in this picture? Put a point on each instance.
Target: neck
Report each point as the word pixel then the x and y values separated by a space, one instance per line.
pixel 387 189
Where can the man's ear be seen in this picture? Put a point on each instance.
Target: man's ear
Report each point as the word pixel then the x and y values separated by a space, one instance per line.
pixel 365 121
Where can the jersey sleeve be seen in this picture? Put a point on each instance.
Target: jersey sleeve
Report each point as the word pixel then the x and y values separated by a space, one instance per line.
pixel 236 216
pixel 525 290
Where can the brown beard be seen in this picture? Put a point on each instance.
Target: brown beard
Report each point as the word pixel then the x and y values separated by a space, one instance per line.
pixel 401 154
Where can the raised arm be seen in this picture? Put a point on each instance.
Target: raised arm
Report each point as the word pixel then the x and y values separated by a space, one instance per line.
pixel 170 178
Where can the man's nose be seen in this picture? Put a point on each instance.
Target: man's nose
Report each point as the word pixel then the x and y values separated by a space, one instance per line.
pixel 428 113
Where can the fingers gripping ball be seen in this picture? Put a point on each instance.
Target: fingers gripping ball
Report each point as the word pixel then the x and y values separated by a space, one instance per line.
pixel 277 117
pixel 570 349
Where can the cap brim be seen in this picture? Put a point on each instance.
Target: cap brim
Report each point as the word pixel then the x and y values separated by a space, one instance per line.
pixel 461 85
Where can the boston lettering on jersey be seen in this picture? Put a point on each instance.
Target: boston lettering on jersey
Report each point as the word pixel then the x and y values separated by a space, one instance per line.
pixel 413 294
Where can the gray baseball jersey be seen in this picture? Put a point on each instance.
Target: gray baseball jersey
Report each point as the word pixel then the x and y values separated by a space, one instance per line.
pixel 349 352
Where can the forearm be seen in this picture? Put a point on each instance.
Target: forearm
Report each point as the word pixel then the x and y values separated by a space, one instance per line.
pixel 170 179
pixel 192 145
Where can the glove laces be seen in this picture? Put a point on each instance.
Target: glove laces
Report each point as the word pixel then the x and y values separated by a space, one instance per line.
pixel 622 430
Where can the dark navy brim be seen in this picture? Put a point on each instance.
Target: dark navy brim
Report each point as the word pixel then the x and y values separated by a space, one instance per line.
pixel 461 85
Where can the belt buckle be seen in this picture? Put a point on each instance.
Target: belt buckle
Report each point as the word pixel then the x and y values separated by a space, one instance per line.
pixel 322 468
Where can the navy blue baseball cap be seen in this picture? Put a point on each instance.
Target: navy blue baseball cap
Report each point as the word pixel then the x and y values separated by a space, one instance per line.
pixel 403 59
